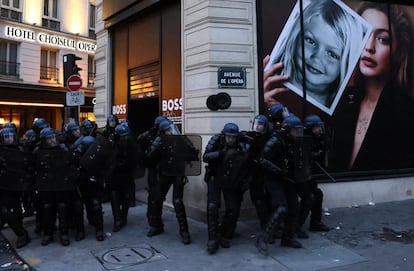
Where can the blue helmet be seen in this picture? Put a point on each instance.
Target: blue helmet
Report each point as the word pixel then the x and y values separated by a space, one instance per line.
pixel 87 127
pixel 72 126
pixel 158 120
pixel 168 127
pixel 48 137
pixel 39 124
pixel 315 125
pixel 122 130
pixel 260 124
pixel 86 142
pixel 10 125
pixel 8 136
pixel 230 129
pixel 30 136
pixel 112 121
pixel 278 112
pixel 293 125
pixel 312 120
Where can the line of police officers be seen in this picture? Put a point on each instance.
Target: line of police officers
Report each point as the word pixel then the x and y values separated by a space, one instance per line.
pixel 66 172
pixel 274 161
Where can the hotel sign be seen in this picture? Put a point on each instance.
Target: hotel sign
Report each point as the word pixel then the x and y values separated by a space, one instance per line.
pixel 49 39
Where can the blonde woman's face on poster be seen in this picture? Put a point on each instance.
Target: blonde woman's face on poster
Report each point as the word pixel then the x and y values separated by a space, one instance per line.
pixel 323 52
pixel 374 61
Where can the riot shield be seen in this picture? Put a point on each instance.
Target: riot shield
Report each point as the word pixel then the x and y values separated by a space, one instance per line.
pixel 16 170
pixel 136 158
pixel 56 170
pixel 302 158
pixel 97 158
pixel 180 155
pixel 232 169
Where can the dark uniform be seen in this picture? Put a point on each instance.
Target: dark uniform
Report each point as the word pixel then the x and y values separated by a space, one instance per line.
pixel 121 181
pixel 91 187
pixel 314 128
pixel 161 188
pixel 56 179
pixel 278 162
pixel 28 144
pixel 145 141
pixel 225 173
pixel 73 139
pixel 15 171
pixel 109 133
pixel 255 140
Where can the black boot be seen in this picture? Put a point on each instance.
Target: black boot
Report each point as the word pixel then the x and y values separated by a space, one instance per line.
pixel 63 223
pixel 116 211
pixel 79 221
pixel 22 240
pixel 154 214
pixel 47 239
pixel 212 227
pixel 97 218
pixel 48 223
pixel 267 233
pixel 182 221
pixel 318 226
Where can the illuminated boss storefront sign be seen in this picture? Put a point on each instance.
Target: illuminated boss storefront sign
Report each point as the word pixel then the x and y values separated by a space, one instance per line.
pixel 52 40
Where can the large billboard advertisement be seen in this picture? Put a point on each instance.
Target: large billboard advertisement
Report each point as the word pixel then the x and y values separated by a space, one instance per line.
pixel 350 62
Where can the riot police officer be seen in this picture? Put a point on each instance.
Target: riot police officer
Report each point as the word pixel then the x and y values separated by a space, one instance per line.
pixel 13 180
pixel 145 140
pixel 73 136
pixel 227 159
pixel 255 139
pixel 109 133
pixel 73 139
pixel 88 128
pixel 315 128
pixel 277 113
pixel 297 174
pixel 91 188
pixel 121 181
pixel 160 189
pixel 28 144
pixel 38 125
pixel 278 162
pixel 56 178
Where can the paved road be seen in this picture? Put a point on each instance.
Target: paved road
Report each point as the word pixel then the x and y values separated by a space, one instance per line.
pixel 369 237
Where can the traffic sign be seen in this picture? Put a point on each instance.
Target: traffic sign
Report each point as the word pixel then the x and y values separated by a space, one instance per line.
pixel 75 98
pixel 74 82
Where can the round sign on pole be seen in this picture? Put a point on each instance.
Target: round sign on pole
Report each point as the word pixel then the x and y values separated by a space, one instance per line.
pixel 74 82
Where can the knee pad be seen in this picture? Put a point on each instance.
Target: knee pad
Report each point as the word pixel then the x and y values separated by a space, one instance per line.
pixel 96 204
pixel 212 206
pixel 178 202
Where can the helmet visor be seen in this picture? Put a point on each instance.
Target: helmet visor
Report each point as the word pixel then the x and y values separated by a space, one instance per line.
pixel 296 131
pixel 258 126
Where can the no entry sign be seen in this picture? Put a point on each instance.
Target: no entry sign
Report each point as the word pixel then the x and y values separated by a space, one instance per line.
pixel 74 82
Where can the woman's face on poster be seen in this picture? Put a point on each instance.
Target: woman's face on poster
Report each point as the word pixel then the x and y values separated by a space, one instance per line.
pixel 323 52
pixel 375 58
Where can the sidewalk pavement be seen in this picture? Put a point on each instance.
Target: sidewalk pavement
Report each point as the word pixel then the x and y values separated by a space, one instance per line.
pixel 369 237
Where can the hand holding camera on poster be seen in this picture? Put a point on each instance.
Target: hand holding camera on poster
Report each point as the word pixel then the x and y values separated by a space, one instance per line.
pixel 273 82
pixel 320 52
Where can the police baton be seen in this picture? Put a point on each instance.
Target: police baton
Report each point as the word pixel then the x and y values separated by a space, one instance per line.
pixel 325 172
